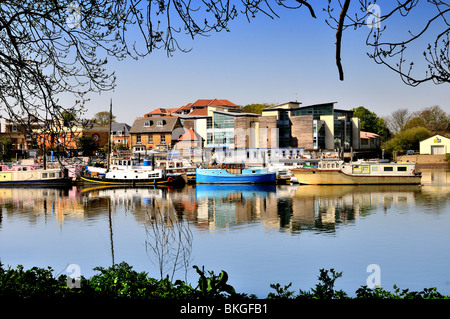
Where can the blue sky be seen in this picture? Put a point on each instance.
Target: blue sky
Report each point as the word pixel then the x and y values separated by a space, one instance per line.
pixel 265 61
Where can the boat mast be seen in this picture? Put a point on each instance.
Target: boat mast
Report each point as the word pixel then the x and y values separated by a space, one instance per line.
pixel 109 137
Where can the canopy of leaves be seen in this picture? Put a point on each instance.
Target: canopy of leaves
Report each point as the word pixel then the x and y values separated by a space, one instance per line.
pixel 370 122
pixel 408 139
pixel 255 108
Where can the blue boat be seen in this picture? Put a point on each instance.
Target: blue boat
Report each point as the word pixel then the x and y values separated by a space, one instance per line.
pixel 234 174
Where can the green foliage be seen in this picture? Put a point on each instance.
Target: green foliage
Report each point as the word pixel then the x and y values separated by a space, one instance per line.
pixel 325 288
pixel 370 122
pixel 87 145
pixel 121 282
pixel 380 293
pixel 281 292
pixel 214 286
pixel 255 108
pixel 5 149
pixel 407 140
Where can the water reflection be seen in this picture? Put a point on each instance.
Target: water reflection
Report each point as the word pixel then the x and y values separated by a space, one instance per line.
pixel 290 208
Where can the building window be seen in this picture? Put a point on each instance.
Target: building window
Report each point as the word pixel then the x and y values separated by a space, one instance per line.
pixel 147 123
pixel 138 139
pixel 163 138
pixel 150 139
pixel 160 123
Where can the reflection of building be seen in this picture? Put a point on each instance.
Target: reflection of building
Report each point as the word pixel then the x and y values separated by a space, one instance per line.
pixel 59 203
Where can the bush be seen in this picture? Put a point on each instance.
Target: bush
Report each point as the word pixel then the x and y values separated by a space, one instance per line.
pixel 121 282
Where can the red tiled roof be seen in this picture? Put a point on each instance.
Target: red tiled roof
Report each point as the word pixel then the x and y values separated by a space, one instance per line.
pixel 190 135
pixel 203 111
pixel 363 134
pixel 214 102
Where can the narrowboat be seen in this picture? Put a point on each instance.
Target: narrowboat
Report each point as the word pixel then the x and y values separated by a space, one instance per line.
pixel 35 177
pixel 358 173
pixel 134 177
pixel 234 174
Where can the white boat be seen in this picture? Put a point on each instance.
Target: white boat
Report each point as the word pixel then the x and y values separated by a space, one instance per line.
pixel 134 177
pixel 335 172
pixel 177 166
pixel 34 177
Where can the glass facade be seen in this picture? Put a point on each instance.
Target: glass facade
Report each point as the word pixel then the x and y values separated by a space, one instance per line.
pixel 223 121
pixel 315 110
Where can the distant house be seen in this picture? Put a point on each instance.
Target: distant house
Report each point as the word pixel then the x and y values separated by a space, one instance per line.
pixel 209 105
pixel 149 133
pixel 435 145
pixel 190 140
pixel 120 134
pixel 370 141
pixel 161 112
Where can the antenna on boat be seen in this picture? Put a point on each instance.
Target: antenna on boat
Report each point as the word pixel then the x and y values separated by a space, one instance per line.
pixel 108 159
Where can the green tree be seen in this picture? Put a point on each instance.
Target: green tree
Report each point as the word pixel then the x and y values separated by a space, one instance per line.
pixel 407 140
pixel 103 118
pixel 435 119
pixel 5 149
pixel 255 108
pixel 87 145
pixel 370 122
pixel 415 122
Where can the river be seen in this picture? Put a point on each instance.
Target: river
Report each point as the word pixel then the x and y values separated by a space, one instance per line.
pixel 260 235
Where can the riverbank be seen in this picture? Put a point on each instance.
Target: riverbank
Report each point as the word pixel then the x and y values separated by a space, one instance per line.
pixel 425 160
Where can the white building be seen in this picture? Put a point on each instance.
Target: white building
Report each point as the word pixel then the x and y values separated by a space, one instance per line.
pixel 435 145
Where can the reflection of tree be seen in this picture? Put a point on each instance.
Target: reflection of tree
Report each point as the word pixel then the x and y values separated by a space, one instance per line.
pixel 170 241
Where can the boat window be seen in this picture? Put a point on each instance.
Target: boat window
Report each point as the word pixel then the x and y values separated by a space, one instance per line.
pixel 52 175
pixel 365 169
pixel 44 175
pixel 388 169
pixel 374 168
pixel 401 169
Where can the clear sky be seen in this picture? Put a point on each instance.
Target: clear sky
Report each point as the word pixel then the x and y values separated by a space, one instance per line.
pixel 265 61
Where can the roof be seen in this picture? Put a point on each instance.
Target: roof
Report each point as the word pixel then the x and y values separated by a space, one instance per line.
pixel 368 135
pixel 213 102
pixel 436 136
pixel 150 124
pixel 238 114
pixel 202 112
pixel 160 111
pixel 120 127
pixel 190 135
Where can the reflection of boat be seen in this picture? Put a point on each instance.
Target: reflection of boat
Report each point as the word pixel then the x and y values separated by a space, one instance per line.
pixel 35 177
pixel 358 173
pixel 234 174
pixel 135 177
pixel 315 191
pixel 203 190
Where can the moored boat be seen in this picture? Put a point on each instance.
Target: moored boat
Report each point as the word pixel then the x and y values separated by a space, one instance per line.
pixel 358 173
pixel 35 177
pixel 135 177
pixel 234 174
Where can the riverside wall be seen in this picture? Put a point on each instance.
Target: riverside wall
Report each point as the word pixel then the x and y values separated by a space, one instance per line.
pixel 425 160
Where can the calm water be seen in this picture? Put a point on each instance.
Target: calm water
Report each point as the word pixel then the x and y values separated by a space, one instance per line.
pixel 259 235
